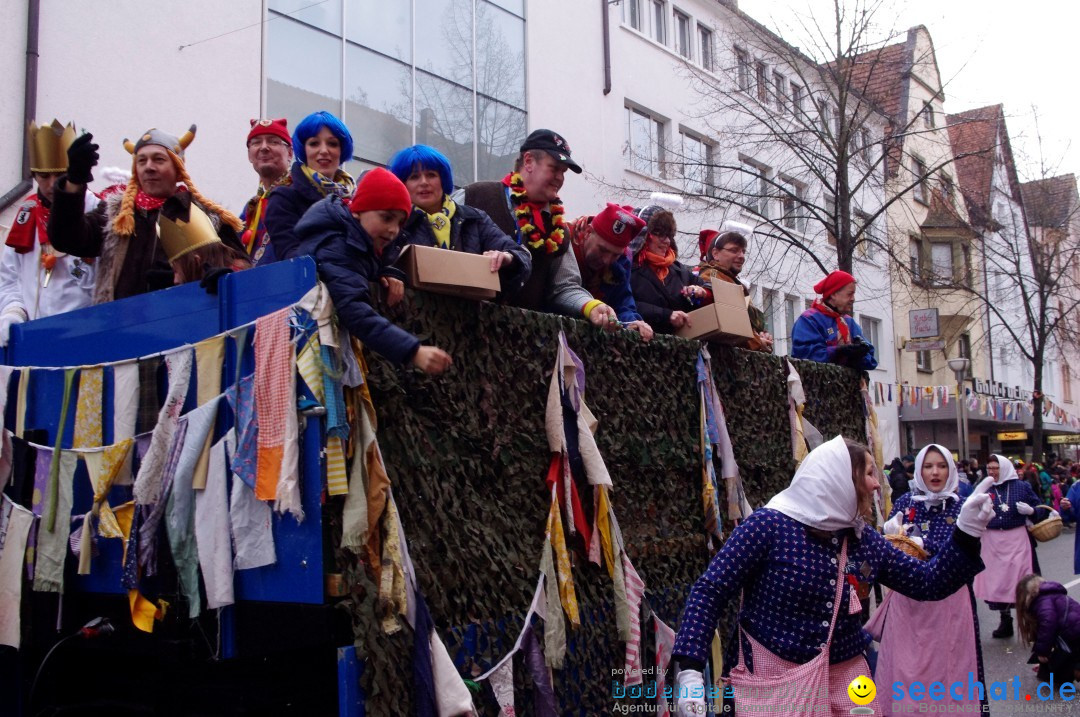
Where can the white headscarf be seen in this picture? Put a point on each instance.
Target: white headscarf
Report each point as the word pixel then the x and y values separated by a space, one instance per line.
pixel 822 494
pixel 949 491
pixel 1006 469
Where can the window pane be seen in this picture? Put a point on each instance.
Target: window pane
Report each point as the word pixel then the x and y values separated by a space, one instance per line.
pixel 942 259
pixel 515 6
pixel 378 108
pixel 643 142
pixel 915 258
pixel 500 55
pixel 445 121
pixel 381 26
pixel 444 34
pixel 324 15
pixel 299 83
pixel 682 34
pixel 659 26
pixel 705 40
pixel 501 130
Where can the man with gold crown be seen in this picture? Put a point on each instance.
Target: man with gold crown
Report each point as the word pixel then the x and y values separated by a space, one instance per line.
pixel 122 230
pixel 36 280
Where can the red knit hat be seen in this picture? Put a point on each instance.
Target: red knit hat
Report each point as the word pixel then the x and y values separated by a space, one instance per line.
pixel 833 283
pixel 617 225
pixel 704 241
pixel 380 189
pixel 276 127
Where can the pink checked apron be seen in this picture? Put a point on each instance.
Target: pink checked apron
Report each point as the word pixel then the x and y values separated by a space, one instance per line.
pixel 780 687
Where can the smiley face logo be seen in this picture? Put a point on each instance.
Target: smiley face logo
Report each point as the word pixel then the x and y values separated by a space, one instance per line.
pixel 862 690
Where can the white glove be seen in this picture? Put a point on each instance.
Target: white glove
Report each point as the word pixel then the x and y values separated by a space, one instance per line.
pixel 7 320
pixel 978 510
pixel 895 525
pixel 691 694
pixel 1024 509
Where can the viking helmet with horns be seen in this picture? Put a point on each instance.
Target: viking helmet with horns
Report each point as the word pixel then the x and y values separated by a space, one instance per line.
pixel 176 145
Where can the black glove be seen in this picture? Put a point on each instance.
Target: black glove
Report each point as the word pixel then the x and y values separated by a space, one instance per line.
pixel 82 157
pixel 211 277
pixel 157 279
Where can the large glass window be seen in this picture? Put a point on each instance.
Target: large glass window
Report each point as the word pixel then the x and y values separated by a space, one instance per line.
pixel 682 34
pixel 644 142
pixel 941 259
pixel 465 99
pixel 696 164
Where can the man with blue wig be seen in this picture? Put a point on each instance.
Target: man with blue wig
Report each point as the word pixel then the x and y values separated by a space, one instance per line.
pixel 438 221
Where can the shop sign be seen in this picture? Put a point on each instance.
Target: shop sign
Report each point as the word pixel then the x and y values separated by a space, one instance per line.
pixel 1063 440
pixel 925 345
pixel 999 390
pixel 1012 436
pixel 923 323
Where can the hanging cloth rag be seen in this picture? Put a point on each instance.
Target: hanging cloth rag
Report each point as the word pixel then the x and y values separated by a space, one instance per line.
pixel 15 522
pixel 52 545
pixel 143 611
pixel 244 454
pixel 212 531
pixel 635 591
pixel 502 685
pixel 149 528
pixel 102 466
pixel 88 408
pixel 250 523
pixel 710 438
pixel 567 594
pixel 20 401
pixel 540 672
pixel 149 404
pixel 149 481
pixel 392 600
pixel 273 382
pixel 664 639
pixel 209 358
pixel 54 470
pixel 554 624
pixel 125 403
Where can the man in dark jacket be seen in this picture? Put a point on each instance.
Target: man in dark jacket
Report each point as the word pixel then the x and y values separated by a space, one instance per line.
pixel 346 241
pixel 600 249
pixel 525 205
pixel 122 231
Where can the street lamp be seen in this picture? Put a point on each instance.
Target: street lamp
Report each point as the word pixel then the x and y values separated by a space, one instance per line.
pixel 959 368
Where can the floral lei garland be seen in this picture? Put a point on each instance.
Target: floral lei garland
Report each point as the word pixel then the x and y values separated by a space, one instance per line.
pixel 529 221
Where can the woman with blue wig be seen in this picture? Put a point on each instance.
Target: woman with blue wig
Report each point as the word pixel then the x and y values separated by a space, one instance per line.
pixel 439 221
pixel 322 143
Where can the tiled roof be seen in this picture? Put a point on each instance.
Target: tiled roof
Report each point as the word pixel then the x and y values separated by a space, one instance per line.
pixel 974 137
pixel 1050 202
pixel 879 74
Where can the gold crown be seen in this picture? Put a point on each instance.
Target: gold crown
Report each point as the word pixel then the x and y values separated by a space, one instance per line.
pixel 180 237
pixel 49 146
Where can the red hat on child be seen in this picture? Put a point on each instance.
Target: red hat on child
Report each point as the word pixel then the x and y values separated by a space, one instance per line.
pixel 833 283
pixel 704 241
pixel 380 189
pixel 617 225
pixel 276 127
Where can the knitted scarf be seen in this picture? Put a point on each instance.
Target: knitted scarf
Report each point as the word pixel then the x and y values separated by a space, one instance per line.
pixel 659 264
pixel 530 219
pixel 342 185
pixel 841 324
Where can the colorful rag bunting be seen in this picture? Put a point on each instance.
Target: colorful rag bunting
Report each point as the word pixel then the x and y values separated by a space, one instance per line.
pixel 103 467
pixel 52 544
pixel 148 482
pixel 209 358
pixel 212 531
pixel 635 591
pixel 250 522
pixel 88 408
pixel 664 639
pixel 275 398
pixel 15 522
pixel 567 594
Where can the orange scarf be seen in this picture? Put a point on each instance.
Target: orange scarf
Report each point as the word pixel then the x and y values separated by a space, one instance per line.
pixel 658 263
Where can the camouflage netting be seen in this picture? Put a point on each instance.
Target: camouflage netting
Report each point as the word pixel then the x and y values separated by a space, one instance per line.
pixel 467 456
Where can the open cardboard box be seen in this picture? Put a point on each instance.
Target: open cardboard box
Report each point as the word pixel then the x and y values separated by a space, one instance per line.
pixel 725 320
pixel 443 271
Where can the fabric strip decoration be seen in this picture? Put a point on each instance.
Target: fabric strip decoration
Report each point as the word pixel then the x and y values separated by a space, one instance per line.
pixel 309 365
pixel 103 467
pixel 250 523
pixel 212 531
pixel 20 402
pixel 567 594
pixel 664 639
pixel 452 697
pixel 543 694
pixel 180 511
pixel 502 684
pixel 54 470
pixel 15 522
pixel 148 482
pixel 143 612
pixel 243 452
pixel 554 625
pixel 149 406
pixel 88 408
pixel 52 545
pixel 5 379
pixel 289 499
pixel 148 528
pixel 392 593
pixel 209 357
pixel 273 381
pixel 635 590
pixel 125 403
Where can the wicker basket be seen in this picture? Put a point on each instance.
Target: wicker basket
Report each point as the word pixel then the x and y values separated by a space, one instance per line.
pixel 906 545
pixel 1047 529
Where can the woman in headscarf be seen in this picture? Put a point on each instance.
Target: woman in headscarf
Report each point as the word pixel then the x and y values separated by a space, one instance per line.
pixel 1006 547
pixel 797 562
pixel 438 221
pixel 928 641
pixel 322 144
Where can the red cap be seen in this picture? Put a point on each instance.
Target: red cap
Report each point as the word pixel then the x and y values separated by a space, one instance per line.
pixel 705 239
pixel 277 127
pixel 379 190
pixel 833 283
pixel 617 225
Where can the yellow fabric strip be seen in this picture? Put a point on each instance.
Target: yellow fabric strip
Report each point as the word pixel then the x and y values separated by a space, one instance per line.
pixel 603 524
pixel 392 593
pixel 567 595
pixel 209 355
pixel 143 612
pixel 20 402
pixel 88 408
pixel 309 364
pixel 337 476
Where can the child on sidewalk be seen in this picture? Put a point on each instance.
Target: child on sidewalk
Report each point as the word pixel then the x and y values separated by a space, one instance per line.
pixel 1049 619
pixel 346 241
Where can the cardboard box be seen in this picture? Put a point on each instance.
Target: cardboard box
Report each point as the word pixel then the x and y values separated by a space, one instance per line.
pixel 444 271
pixel 725 320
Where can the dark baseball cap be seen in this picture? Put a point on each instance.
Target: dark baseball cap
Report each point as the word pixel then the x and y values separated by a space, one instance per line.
pixel 553 144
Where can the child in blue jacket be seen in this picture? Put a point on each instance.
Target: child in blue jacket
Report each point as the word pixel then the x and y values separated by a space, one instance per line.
pixel 346 241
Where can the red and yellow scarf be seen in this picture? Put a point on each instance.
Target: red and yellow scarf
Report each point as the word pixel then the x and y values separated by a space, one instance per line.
pixel 530 220
pixel 841 324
